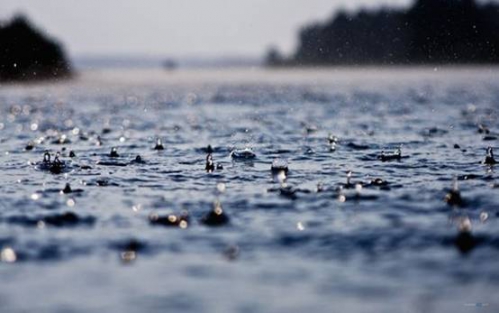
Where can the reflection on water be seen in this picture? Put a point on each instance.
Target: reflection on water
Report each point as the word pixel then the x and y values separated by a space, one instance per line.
pixel 329 190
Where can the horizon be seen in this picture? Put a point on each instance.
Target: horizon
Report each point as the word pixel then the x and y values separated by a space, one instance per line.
pixel 120 52
pixel 179 30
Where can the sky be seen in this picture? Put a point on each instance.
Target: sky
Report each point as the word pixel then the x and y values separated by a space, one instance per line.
pixel 178 28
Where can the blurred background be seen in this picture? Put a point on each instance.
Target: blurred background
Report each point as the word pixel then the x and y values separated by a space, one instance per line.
pixel 195 33
pixel 246 33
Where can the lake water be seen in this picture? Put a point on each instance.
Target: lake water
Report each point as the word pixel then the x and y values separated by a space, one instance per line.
pixel 310 242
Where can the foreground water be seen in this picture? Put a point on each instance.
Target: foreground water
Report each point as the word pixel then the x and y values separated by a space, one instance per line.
pixel 312 242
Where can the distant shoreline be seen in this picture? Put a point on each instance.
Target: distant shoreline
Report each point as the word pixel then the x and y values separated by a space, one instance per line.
pixel 430 32
pixel 30 55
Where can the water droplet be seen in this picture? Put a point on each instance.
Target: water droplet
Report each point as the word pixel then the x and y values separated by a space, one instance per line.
pixel 159 144
pixel 128 256
pixel 246 153
pixel 183 224
pixel 114 152
pixel 280 177
pixel 221 187
pixel 455 185
pixel 464 225
pixel 349 178
pixel 484 216
pixel 8 255
pixel 358 188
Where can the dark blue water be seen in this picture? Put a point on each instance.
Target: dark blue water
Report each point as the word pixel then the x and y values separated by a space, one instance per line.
pixel 309 242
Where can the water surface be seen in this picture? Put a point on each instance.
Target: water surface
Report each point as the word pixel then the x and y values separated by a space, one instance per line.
pixel 310 247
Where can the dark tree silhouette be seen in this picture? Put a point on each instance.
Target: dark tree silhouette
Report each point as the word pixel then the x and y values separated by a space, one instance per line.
pixel 431 31
pixel 26 54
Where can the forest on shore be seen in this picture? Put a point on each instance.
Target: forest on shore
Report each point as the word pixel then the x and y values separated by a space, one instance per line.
pixel 428 32
pixel 26 54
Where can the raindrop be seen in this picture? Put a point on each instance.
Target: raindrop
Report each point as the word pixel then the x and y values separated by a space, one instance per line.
pixel 8 255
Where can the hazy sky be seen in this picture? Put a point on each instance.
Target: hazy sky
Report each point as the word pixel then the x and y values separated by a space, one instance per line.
pixel 178 28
